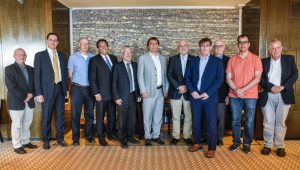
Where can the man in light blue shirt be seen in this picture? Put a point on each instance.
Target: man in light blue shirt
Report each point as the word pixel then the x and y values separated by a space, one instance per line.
pixel 80 92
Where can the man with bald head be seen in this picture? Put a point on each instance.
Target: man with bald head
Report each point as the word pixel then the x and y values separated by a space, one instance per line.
pixel 20 103
pixel 279 75
pixel 178 93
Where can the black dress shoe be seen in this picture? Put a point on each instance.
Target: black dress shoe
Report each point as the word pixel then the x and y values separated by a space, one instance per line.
pixel 220 142
pixel 20 150
pixel 91 140
pixel 134 141
pixel 46 146
pixel 159 141
pixel 112 137
pixel 75 143
pixel 266 151
pixel 174 141
pixel 30 146
pixel 124 145
pixel 148 142
pixel 102 142
pixel 188 141
pixel 280 152
pixel 62 143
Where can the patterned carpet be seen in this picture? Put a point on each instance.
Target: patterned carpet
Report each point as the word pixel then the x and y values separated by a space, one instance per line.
pixel 142 157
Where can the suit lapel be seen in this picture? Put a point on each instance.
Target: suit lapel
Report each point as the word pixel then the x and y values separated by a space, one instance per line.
pixel 124 69
pixel 20 72
pixel 267 67
pixel 103 61
pixel 179 65
pixel 206 67
pixel 283 67
pixel 149 58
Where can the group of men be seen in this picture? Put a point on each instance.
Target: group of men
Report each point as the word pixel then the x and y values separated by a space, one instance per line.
pixel 201 87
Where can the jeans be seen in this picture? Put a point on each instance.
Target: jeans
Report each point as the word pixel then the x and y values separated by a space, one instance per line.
pixel 237 105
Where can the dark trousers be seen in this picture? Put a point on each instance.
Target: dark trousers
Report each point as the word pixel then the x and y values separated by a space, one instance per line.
pixel 102 107
pixel 127 117
pixel 82 96
pixel 199 109
pixel 55 104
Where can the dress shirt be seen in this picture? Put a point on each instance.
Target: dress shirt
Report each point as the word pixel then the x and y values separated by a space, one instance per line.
pixel 274 74
pixel 50 52
pixel 158 69
pixel 202 65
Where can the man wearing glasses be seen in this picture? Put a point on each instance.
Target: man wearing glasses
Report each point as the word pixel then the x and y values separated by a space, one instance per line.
pixel 243 75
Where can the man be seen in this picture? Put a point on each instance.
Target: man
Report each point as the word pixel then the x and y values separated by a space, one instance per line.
pixel 153 85
pixel 126 94
pixel 219 47
pixel 100 78
pixel 81 93
pixel 203 77
pixel 20 103
pixel 279 75
pixel 243 75
pixel 51 88
pixel 178 93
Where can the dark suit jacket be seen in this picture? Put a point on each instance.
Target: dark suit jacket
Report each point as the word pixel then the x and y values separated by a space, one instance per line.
pixel 175 77
pixel 289 75
pixel 212 77
pixel 17 87
pixel 100 77
pixel 224 88
pixel 121 84
pixel 44 74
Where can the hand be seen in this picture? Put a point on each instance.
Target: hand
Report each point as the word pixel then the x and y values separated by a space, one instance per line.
pixel 227 101
pixel 67 96
pixel 29 96
pixel 239 92
pixel 195 95
pixel 166 94
pixel 119 102
pixel 204 96
pixel 281 88
pixel 98 97
pixel 182 89
pixel 139 99
pixel 276 89
pixel 40 98
pixel 144 94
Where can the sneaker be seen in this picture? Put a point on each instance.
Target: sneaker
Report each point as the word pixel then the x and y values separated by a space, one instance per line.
pixel 234 147
pixel 280 152
pixel 266 151
pixel 246 149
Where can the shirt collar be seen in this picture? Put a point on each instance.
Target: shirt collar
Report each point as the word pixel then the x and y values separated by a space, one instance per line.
pixel 183 56
pixel 204 57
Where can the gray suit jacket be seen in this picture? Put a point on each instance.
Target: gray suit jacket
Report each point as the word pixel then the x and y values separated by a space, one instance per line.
pixel 147 75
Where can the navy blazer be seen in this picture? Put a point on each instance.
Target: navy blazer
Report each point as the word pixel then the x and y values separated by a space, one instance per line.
pixel 175 77
pixel 44 74
pixel 289 75
pixel 212 77
pixel 224 88
pixel 121 84
pixel 18 88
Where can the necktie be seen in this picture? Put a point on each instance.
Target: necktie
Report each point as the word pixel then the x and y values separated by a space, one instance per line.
pixel 25 72
pixel 130 77
pixel 55 67
pixel 107 62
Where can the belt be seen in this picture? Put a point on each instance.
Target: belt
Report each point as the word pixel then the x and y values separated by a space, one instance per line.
pixel 159 87
pixel 78 85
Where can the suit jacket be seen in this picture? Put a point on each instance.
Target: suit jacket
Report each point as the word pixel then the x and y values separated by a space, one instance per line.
pixel 121 83
pixel 147 74
pixel 212 77
pixel 100 77
pixel 44 74
pixel 224 88
pixel 17 87
pixel 175 77
pixel 289 75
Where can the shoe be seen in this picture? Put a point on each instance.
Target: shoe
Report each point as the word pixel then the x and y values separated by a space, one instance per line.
pixel 75 143
pixel 102 142
pixel 30 146
pixel 280 152
pixel 266 151
pixel 62 143
pixel 148 142
pixel 210 154
pixel 134 141
pixel 220 142
pixel 124 145
pixel 188 141
pixel 195 148
pixel 174 141
pixel 20 150
pixel 46 146
pixel 112 137
pixel 246 149
pixel 203 141
pixel 91 140
pixel 234 147
pixel 159 141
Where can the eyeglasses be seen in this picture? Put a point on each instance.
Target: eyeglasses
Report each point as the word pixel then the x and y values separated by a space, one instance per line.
pixel 243 42
pixel 205 45
pixel 218 46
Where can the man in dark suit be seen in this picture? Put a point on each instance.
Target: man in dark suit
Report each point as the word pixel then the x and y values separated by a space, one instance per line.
pixel 51 88
pixel 278 77
pixel 126 94
pixel 219 47
pixel 178 93
pixel 100 78
pixel 203 77
pixel 19 83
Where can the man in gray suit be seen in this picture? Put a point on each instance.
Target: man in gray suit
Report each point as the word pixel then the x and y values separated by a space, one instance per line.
pixel 153 83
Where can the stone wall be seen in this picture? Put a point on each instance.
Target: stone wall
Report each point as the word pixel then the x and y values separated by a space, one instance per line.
pixel 134 27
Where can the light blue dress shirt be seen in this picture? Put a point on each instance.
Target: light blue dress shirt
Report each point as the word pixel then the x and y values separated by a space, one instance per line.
pixel 202 65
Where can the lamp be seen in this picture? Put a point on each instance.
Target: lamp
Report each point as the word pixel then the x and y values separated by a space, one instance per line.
pixel 21 1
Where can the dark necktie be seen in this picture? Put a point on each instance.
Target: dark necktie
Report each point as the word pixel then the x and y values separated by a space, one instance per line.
pixel 107 62
pixel 25 72
pixel 130 77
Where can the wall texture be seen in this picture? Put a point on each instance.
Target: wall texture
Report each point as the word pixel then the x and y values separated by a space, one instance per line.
pixel 135 26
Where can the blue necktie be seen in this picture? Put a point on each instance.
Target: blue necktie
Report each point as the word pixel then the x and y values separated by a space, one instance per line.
pixel 108 63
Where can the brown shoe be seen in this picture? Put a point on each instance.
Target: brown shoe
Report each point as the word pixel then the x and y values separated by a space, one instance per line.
pixel 210 153
pixel 195 148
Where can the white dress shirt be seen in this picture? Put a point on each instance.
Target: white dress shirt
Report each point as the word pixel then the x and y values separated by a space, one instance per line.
pixel 158 68
pixel 274 74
